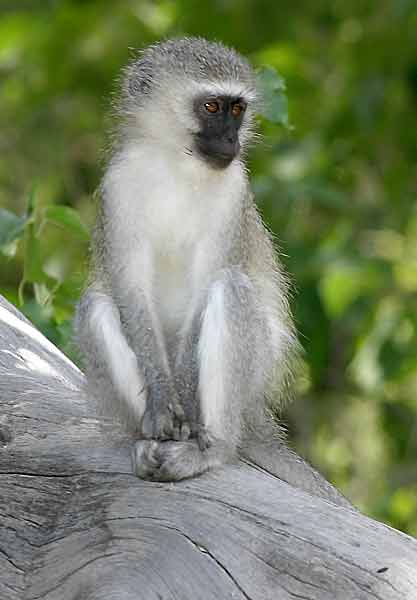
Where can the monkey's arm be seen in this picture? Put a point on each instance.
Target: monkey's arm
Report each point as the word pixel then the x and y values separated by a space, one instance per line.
pixel 164 416
pixel 186 371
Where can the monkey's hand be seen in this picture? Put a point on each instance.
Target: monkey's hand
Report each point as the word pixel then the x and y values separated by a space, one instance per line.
pixel 164 417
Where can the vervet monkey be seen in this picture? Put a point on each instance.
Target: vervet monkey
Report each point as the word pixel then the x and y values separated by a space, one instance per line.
pixel 185 327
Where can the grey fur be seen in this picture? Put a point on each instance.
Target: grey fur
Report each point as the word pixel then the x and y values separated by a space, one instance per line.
pixel 246 284
pixel 189 58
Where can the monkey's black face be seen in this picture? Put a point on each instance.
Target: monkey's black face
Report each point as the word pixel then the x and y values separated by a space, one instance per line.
pixel 220 119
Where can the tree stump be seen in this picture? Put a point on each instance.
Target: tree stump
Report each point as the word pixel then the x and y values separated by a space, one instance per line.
pixel 76 524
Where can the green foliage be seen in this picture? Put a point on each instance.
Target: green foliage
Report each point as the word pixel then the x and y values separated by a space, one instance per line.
pixel 272 89
pixel 11 228
pixel 52 272
pixel 338 188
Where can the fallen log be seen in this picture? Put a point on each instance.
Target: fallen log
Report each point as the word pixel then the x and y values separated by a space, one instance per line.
pixel 76 524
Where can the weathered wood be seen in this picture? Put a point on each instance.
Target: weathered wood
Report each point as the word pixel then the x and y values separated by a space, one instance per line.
pixel 75 524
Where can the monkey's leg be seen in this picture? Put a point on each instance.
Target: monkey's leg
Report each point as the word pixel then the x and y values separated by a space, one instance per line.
pixel 164 416
pixel 233 343
pixel 111 365
pixel 123 370
pixel 233 346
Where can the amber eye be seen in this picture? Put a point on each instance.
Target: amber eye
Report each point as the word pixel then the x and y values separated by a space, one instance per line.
pixel 212 107
pixel 237 109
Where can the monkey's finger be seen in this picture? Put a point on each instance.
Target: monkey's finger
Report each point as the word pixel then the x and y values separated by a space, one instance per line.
pixel 163 427
pixel 178 412
pixel 203 439
pixel 144 458
pixel 185 432
pixel 195 428
pixel 176 433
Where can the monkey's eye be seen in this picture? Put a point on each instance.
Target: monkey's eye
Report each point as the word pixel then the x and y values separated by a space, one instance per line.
pixel 212 107
pixel 237 109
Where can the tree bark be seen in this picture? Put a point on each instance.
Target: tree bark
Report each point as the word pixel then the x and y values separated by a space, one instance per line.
pixel 76 524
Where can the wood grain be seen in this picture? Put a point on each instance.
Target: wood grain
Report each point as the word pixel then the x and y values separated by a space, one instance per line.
pixel 76 524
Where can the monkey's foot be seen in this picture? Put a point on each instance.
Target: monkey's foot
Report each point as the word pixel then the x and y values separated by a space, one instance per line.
pixel 173 461
pixel 168 424
pixel 144 460
pixel 203 437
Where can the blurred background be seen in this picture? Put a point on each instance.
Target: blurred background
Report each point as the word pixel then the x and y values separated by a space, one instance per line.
pixel 335 178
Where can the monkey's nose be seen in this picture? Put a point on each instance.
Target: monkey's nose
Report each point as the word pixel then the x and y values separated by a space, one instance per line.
pixel 230 148
pixel 219 151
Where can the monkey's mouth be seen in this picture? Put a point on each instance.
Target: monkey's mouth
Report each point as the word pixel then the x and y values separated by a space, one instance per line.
pixel 219 153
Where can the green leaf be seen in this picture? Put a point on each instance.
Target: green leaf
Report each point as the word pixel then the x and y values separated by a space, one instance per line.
pixel 67 217
pixel 32 263
pixel 11 227
pixel 275 103
pixel 32 256
pixel 32 201
pixel 343 283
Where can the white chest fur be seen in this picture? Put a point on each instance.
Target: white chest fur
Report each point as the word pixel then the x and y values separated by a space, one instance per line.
pixel 169 214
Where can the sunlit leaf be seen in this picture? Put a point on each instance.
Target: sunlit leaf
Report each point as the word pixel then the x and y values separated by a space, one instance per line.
pixel 11 227
pixel 342 283
pixel 404 502
pixel 33 261
pixel 274 99
pixel 66 217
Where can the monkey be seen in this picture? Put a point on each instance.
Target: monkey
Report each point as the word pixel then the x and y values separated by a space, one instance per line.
pixel 185 327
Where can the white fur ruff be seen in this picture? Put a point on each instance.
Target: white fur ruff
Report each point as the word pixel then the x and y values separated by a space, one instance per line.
pixel 180 206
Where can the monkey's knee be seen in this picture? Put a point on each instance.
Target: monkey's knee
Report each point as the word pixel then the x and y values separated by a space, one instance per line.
pixel 234 287
pixel 232 306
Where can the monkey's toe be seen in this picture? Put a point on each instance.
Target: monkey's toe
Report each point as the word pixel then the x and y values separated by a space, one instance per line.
pixel 185 432
pixel 144 458
pixel 182 432
pixel 163 426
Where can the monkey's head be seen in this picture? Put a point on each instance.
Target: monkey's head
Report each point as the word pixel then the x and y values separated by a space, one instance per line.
pixel 193 96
